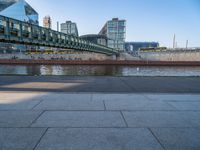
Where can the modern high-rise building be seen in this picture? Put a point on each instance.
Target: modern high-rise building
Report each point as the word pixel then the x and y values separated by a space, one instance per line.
pixel 18 9
pixel 69 28
pixel 115 30
pixel 47 22
pixel 136 46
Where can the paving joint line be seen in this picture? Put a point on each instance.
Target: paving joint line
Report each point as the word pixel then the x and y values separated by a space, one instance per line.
pixel 147 97
pixel 99 127
pixel 37 104
pixel 104 104
pixel 36 118
pixel 23 127
pixel 40 139
pixel 171 105
pixel 132 88
pixel 100 110
pixel 156 138
pixel 59 110
pixel 107 110
pixel 124 118
pixel 91 97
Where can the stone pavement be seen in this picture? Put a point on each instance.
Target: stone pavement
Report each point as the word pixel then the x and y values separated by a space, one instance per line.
pixel 104 84
pixel 98 121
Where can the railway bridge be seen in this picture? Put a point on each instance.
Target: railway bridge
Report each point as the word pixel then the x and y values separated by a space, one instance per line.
pixel 19 32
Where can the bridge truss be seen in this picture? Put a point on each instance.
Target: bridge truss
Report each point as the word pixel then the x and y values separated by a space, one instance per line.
pixel 19 32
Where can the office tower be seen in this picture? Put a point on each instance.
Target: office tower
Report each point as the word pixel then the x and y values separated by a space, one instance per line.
pixel 115 30
pixel 47 22
pixel 69 28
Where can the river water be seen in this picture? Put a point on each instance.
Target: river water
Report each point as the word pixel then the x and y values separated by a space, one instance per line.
pixel 86 70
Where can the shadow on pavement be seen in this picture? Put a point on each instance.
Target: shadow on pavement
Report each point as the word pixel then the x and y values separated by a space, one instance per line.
pixel 100 84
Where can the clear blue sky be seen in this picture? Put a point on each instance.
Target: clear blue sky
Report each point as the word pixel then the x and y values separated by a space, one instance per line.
pixel 147 20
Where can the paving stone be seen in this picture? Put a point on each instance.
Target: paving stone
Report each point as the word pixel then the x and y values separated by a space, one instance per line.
pixel 118 97
pixel 162 118
pixel 100 84
pixel 130 104
pixel 58 96
pixel 71 104
pixel 19 101
pixel 20 96
pixel 186 105
pixel 174 97
pixel 17 118
pixel 19 138
pixel 23 105
pixel 178 138
pixel 104 84
pixel 98 139
pixel 80 119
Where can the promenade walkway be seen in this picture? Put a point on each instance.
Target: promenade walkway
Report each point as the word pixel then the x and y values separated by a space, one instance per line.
pixel 36 116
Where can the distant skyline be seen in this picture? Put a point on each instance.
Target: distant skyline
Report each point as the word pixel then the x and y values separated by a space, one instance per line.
pixel 147 20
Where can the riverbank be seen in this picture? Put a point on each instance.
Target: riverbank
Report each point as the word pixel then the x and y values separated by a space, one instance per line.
pixel 97 62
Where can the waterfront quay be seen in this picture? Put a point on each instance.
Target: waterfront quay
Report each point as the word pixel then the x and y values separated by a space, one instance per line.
pixel 102 62
pixel 99 113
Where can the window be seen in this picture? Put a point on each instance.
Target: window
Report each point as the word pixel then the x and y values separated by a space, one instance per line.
pixel 121 23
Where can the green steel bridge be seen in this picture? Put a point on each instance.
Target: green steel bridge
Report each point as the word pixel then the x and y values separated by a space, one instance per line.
pixel 19 32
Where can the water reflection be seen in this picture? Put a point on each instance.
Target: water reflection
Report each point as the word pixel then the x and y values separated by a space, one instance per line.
pixel 85 70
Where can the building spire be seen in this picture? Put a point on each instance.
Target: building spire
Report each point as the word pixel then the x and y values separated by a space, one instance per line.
pixel 174 41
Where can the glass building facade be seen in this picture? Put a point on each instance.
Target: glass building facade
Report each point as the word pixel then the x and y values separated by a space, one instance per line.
pixel 18 9
pixel 115 30
pixel 69 28
pixel 97 39
pixel 136 46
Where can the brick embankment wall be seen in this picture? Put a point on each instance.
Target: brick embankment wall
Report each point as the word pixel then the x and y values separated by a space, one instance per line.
pixel 171 56
pixel 105 62
pixel 81 56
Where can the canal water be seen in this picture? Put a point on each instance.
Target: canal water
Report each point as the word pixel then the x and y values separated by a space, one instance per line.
pixel 86 70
